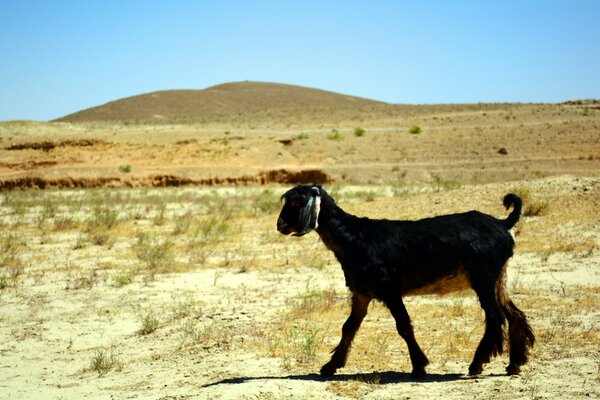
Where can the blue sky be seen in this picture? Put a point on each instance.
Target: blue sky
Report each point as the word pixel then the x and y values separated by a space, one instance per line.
pixel 57 57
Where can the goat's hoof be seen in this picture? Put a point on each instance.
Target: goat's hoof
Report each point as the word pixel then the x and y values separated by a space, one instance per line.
pixel 475 370
pixel 328 370
pixel 513 369
pixel 418 373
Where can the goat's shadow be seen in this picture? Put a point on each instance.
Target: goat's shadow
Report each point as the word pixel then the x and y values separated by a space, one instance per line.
pixel 381 378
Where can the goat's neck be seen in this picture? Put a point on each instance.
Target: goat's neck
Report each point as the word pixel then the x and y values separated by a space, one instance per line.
pixel 332 227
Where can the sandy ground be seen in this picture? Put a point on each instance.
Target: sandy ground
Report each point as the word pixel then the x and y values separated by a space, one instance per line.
pixel 215 322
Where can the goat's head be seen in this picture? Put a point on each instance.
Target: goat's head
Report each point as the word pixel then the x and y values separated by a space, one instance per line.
pixel 300 212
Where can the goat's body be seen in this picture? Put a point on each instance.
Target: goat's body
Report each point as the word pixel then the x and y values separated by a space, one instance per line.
pixel 387 260
pixel 429 256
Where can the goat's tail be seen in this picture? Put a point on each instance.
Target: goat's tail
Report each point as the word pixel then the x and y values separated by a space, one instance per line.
pixel 513 200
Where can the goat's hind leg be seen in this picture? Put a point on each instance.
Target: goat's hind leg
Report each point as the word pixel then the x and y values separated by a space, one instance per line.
pixel 360 305
pixel 403 326
pixel 492 341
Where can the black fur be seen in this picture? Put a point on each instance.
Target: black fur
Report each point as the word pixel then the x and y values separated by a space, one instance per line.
pixel 386 260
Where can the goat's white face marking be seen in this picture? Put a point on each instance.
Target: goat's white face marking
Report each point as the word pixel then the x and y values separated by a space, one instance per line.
pixel 317 210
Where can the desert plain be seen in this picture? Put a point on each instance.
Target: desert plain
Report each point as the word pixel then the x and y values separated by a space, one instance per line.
pixel 139 257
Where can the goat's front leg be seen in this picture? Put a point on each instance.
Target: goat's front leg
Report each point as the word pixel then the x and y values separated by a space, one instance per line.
pixel 404 327
pixel 360 304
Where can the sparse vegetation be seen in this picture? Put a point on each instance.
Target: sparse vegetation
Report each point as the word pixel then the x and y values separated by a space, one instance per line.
pixel 227 305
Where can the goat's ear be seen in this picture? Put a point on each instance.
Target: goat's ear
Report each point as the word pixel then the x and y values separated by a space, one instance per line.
pixel 315 191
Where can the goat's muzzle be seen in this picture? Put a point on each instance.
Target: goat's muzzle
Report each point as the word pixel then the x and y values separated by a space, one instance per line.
pixel 283 227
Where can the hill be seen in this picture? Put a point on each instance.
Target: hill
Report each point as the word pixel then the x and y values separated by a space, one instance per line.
pixel 226 99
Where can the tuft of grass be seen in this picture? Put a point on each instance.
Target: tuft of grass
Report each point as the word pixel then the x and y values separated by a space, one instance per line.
pixel 182 224
pixel 315 301
pixel 159 218
pixel 100 238
pixel 64 223
pixel 125 168
pixel 295 345
pixel 81 241
pixel 210 335
pixel 83 281
pixel 335 135
pixel 441 184
pixel 303 136
pixel 535 209
pixel 103 217
pixel 401 189
pixel 359 132
pixel 105 360
pixel 265 202
pixel 155 255
pixel 415 129
pixel 121 278
pixel 209 230
pixel 10 261
pixel 150 323
pixel 366 195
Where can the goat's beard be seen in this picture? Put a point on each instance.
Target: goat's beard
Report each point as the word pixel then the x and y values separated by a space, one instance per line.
pixel 309 216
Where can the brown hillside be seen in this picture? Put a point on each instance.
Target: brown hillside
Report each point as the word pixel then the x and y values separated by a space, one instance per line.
pixel 227 99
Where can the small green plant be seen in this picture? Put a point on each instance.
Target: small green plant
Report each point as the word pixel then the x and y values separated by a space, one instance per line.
pixel 159 219
pixel 209 230
pixel 415 129
pixel 315 301
pixel 182 223
pixel 366 195
pixel 10 260
pixel 125 168
pixel 150 323
pixel 100 238
pixel 441 184
pixel 535 208
pixel 156 255
pixel 104 361
pixel 64 223
pixel 81 241
pixel 335 135
pixel 303 136
pixel 82 280
pixel 359 132
pixel 121 278
pixel 103 217
pixel 400 189
pixel 296 345
pixel 266 202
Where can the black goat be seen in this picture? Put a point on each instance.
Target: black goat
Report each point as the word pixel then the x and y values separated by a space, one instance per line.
pixel 386 260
